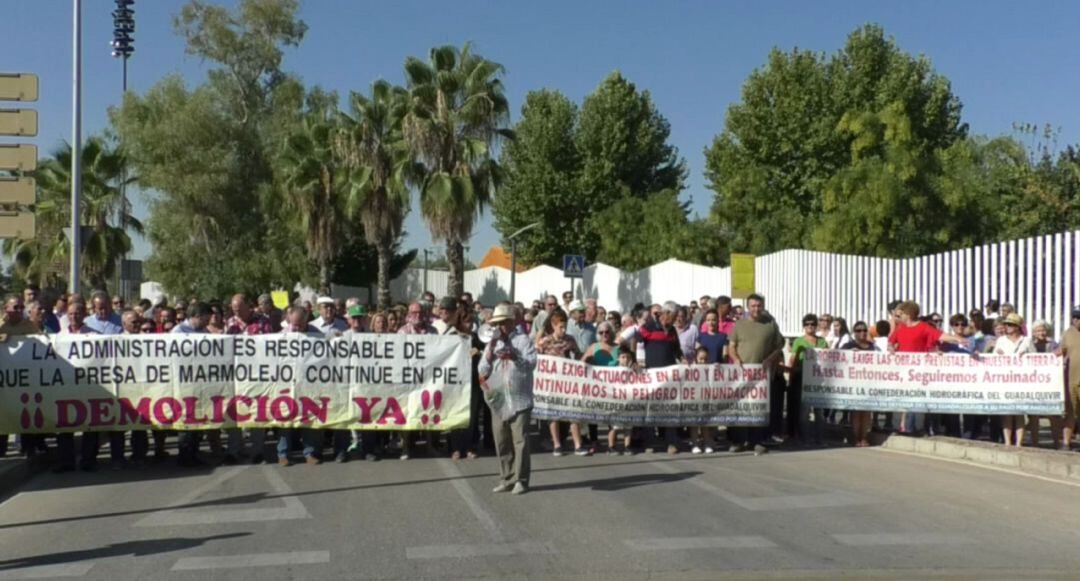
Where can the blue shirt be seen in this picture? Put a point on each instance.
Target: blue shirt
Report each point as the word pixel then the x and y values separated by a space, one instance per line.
pixel 714 344
pixel 110 326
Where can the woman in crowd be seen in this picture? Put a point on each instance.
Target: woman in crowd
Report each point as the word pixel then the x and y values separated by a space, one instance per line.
pixel 714 343
pixel 1042 343
pixel 840 335
pixel 393 321
pixel 795 415
pixel 216 326
pixel 463 441
pixel 688 333
pixel 860 420
pixel 556 342
pixel 378 323
pixel 712 339
pixel 605 352
pixel 912 335
pixel 1012 343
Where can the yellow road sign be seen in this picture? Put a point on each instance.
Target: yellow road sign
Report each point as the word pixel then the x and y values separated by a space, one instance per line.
pixel 742 275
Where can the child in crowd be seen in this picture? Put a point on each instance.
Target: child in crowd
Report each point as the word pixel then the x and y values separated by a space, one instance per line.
pixel 627 359
pixel 703 435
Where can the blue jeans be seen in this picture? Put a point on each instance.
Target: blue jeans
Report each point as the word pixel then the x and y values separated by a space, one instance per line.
pixel 310 438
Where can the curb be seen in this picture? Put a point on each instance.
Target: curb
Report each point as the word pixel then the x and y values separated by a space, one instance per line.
pixel 1049 463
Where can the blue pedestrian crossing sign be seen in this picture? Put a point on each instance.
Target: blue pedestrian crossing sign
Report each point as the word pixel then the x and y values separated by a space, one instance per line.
pixel 573 265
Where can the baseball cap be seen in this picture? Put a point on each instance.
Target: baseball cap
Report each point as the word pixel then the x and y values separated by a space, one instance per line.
pixel 325 301
pixel 448 303
pixel 357 311
pixel 1076 311
pixel 577 306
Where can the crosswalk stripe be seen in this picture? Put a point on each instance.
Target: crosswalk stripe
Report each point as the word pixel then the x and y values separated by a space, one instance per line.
pixel 255 560
pixel 680 543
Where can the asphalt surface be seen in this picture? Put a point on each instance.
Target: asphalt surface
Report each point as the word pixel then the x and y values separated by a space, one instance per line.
pixel 807 514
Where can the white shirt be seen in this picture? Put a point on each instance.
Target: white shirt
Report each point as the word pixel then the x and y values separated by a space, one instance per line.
pixel 332 329
pixel 1006 346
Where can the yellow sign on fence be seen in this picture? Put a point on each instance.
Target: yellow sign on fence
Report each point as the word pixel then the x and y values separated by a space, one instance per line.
pixel 742 275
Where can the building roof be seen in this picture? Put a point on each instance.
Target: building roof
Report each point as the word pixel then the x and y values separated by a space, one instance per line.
pixel 496 256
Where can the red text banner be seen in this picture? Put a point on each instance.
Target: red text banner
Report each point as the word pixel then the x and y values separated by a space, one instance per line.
pixel 186 382
pixel 934 382
pixel 680 395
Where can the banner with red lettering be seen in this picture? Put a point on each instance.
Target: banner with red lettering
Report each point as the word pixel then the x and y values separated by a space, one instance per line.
pixel 680 395
pixel 192 382
pixel 934 382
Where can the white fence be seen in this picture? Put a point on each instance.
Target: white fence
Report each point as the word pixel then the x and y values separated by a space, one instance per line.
pixel 1041 276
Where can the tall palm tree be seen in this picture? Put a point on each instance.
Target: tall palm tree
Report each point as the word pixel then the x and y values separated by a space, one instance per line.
pixel 105 217
pixel 379 169
pixel 313 188
pixel 457 113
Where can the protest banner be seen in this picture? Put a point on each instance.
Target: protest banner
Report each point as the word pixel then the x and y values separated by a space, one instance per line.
pixel 185 382
pixel 934 382
pixel 680 395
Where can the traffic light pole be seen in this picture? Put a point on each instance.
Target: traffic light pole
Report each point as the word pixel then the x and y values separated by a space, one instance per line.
pixel 76 143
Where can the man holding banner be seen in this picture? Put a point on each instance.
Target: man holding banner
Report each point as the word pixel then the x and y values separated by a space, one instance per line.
pixel 506 372
pixel 757 339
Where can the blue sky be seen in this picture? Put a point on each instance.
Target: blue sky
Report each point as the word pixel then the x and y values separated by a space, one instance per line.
pixel 1008 61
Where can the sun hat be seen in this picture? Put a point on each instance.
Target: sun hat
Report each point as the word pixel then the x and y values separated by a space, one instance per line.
pixel 502 313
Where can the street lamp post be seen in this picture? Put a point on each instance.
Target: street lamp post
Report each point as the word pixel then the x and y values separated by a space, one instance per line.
pixel 123 46
pixel 513 257
pixel 76 142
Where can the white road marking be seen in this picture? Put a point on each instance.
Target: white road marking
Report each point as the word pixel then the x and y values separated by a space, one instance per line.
pixel 486 550
pixel 892 539
pixel 256 560
pixel 681 543
pixel 175 516
pixel 471 499
pixel 47 571
pixel 765 503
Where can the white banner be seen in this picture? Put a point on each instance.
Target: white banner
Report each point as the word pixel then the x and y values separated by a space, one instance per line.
pixel 680 395
pixel 934 382
pixel 119 382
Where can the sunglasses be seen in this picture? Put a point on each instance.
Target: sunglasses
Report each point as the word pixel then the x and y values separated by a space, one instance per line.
pixel 860 330
pixel 937 321
pixel 809 324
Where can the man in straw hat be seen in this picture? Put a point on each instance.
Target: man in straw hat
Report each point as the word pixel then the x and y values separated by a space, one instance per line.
pixel 508 363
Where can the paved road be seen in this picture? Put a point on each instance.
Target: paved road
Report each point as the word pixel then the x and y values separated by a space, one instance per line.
pixel 814 514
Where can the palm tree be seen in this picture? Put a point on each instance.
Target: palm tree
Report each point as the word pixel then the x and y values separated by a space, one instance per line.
pixel 313 191
pixel 379 169
pixel 102 203
pixel 457 113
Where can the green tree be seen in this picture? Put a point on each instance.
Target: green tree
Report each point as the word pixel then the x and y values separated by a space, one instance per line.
pixel 379 170
pixel 456 115
pixel 217 222
pixel 105 218
pixel 622 142
pixel 795 131
pixel 564 168
pixel 638 232
pixel 540 167
pixel 314 186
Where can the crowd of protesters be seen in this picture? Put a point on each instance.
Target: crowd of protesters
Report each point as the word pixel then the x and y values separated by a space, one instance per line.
pixel 510 336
